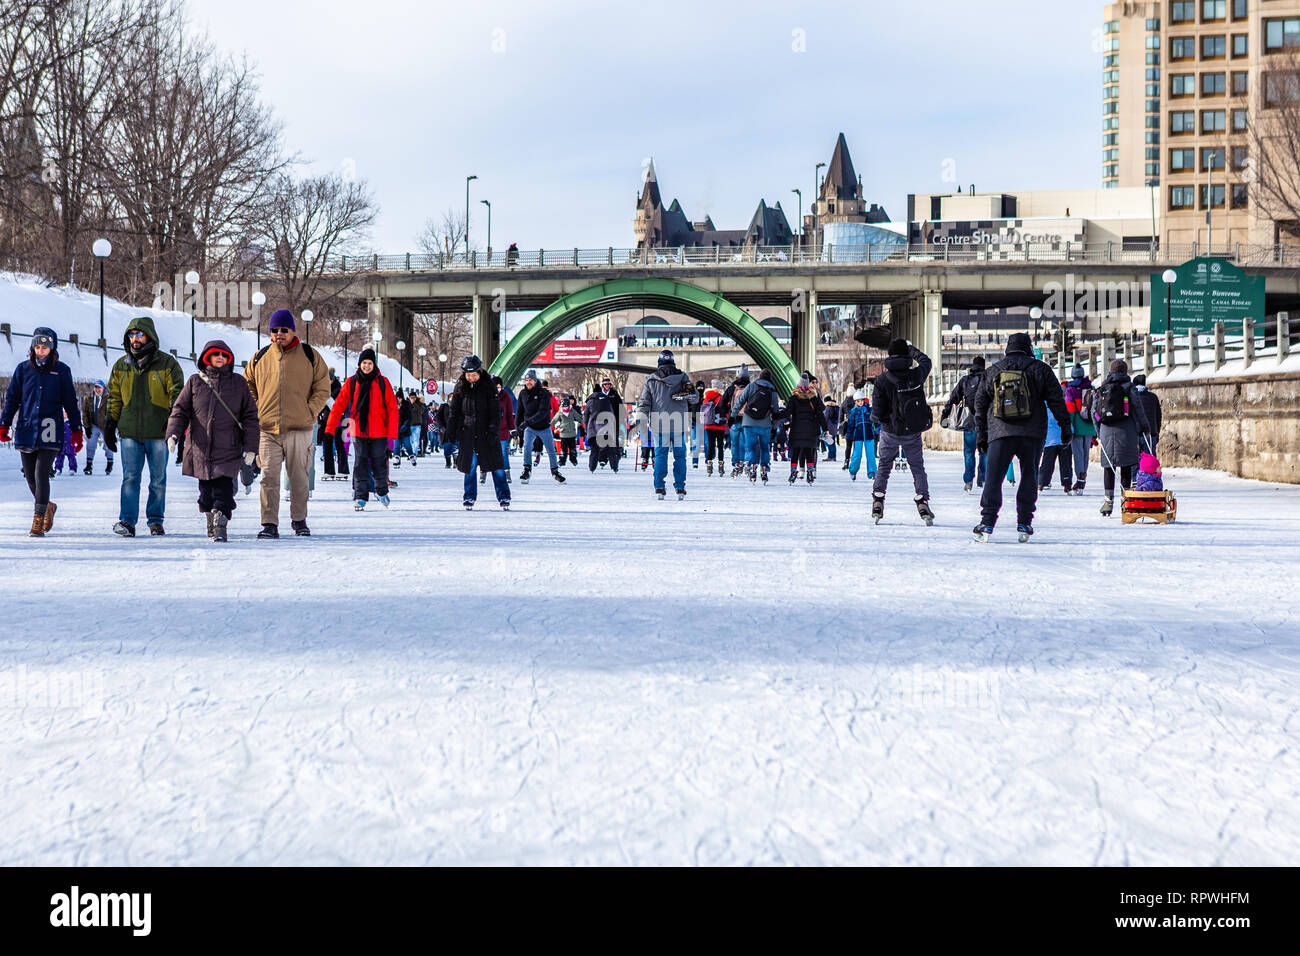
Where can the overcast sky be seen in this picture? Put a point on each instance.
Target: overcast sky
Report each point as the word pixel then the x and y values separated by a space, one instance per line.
pixel 556 105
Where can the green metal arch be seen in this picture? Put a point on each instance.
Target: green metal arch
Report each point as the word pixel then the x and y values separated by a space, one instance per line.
pixel 569 310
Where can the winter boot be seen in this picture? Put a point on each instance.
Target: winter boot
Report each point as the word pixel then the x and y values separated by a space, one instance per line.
pixel 1107 506
pixel 157 530
pixel 49 516
pixel 923 509
pixel 219 527
pixel 108 469
pixel 212 522
pixel 38 527
pixel 301 530
pixel 124 529
pixel 525 474
pixel 877 506
pixel 555 473
pixel 1024 531
pixel 268 531
pixel 89 469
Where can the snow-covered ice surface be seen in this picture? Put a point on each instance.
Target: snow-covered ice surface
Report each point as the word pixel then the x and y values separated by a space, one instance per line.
pixel 755 675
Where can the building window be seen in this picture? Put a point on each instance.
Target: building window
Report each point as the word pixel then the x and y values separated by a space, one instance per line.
pixel 1110 139
pixel 1182 122
pixel 1183 11
pixel 1153 173
pixel 1108 108
pixel 1182 84
pixel 1153 25
pixel 1110 76
pixel 1109 92
pixel 1214 84
pixel 1240 83
pixel 1214 10
pixel 1181 197
pixel 1281 89
pixel 1112 45
pixel 1182 48
pixel 1153 152
pixel 1111 60
pixel 1240 195
pixel 1213 121
pixel 1153 43
pixel 1214 48
pixel 1153 59
pixel 1240 121
pixel 1240 157
pixel 1110 155
pixel 1240 45
pixel 1110 170
pixel 1153 106
pixel 1112 26
pixel 1153 122
pixel 1153 89
pixel 1212 197
pixel 1182 160
pixel 1154 137
pixel 1111 123
pixel 1240 9
pixel 1281 34
pixel 1212 158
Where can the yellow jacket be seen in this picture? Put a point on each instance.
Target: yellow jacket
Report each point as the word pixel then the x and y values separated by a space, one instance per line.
pixel 290 386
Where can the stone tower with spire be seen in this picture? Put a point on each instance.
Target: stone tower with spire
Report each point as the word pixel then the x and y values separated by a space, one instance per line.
pixel 840 198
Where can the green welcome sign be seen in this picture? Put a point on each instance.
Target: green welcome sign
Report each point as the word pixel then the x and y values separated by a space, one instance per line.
pixel 1206 291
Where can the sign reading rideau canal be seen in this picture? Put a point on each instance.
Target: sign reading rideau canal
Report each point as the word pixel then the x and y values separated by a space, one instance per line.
pixel 1206 291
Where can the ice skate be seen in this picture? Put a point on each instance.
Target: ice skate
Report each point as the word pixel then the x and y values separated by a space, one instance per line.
pixel 923 509
pixel 1107 506
pixel 1023 532
pixel 877 506
pixel 983 531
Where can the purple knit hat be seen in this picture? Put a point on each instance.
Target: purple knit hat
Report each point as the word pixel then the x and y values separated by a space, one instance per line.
pixel 282 319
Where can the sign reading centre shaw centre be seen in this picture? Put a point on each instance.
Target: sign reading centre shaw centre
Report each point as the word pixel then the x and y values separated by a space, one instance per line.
pixel 579 352
pixel 1207 291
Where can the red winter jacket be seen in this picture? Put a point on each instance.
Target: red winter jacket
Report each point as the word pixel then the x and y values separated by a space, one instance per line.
pixel 383 410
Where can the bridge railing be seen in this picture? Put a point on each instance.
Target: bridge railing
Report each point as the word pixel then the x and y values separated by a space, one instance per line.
pixel 722 257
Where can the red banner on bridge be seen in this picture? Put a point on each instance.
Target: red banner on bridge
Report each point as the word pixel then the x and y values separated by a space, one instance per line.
pixel 579 352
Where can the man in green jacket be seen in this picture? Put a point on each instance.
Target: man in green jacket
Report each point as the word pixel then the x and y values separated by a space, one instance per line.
pixel 142 388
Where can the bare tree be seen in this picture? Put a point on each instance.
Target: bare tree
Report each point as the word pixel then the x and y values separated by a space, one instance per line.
pixel 307 224
pixel 1273 168
pixel 444 238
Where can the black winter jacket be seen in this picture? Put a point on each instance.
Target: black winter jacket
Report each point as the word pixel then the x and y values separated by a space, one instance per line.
pixel 533 408
pixel 906 371
pixel 1043 387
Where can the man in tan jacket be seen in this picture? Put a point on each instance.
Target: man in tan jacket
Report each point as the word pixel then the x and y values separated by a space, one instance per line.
pixel 290 384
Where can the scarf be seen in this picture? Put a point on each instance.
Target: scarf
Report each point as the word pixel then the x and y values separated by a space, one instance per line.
pixel 361 390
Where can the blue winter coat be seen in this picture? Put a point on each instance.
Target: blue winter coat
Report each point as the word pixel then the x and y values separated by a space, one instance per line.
pixel 857 424
pixel 39 397
pixel 1053 431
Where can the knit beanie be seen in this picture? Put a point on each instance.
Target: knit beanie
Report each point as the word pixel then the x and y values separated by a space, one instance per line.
pixel 282 319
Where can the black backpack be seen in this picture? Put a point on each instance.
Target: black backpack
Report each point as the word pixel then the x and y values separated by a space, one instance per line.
pixel 760 404
pixel 1113 403
pixel 1012 400
pixel 911 413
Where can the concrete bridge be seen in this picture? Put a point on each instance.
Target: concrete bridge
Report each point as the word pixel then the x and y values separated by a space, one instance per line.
pixel 912 283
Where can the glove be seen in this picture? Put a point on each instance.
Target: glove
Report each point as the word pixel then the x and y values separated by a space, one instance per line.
pixel 78 441
pixel 982 444
pixel 1066 436
pixel 1094 442
pixel 5 437
pixel 110 434
pixel 249 458
pixel 172 443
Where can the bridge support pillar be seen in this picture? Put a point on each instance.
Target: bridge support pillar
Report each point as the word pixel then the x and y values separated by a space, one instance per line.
pixel 397 324
pixel 487 329
pixel 803 333
pixel 929 335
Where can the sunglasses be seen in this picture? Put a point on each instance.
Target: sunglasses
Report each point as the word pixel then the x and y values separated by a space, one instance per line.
pixel 137 335
pixel 281 331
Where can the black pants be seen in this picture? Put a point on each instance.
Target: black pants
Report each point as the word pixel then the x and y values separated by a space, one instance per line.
pixel 217 494
pixel 1001 451
pixel 1051 455
pixel 803 455
pixel 371 460
pixel 597 454
pixel 334 447
pixel 569 450
pixel 1108 479
pixel 36 469
pixel 717 441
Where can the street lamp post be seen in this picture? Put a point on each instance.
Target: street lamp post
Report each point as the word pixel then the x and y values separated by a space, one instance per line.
pixel 800 195
pixel 1170 277
pixel 102 250
pixel 421 353
pixel 401 365
pixel 259 300
pixel 307 316
pixel 192 279
pixel 345 327
pixel 489 239
pixel 442 363
pixel 467 182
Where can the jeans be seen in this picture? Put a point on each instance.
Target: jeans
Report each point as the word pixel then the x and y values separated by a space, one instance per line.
pixel 737 446
pixel 94 436
pixel 863 449
pixel 505 453
pixel 134 454
pixel 968 442
pixel 1001 453
pixel 548 442
pixel 498 482
pixel 888 447
pixel 1079 447
pixel 448 449
pixel 757 440
pixel 679 466
pixel 404 446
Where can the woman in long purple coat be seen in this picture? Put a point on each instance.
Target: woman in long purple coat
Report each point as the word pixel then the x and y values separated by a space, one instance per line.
pixel 219 412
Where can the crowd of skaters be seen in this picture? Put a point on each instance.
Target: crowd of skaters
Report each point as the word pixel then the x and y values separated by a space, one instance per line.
pixel 225 429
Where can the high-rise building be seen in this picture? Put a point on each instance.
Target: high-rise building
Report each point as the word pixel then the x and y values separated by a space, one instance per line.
pixel 1218 67
pixel 1130 95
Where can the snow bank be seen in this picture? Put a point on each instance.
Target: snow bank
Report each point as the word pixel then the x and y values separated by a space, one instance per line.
pixel 26 303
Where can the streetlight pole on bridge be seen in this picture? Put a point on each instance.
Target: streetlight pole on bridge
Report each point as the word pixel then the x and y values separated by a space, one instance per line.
pixel 489 239
pixel 467 182
pixel 800 195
